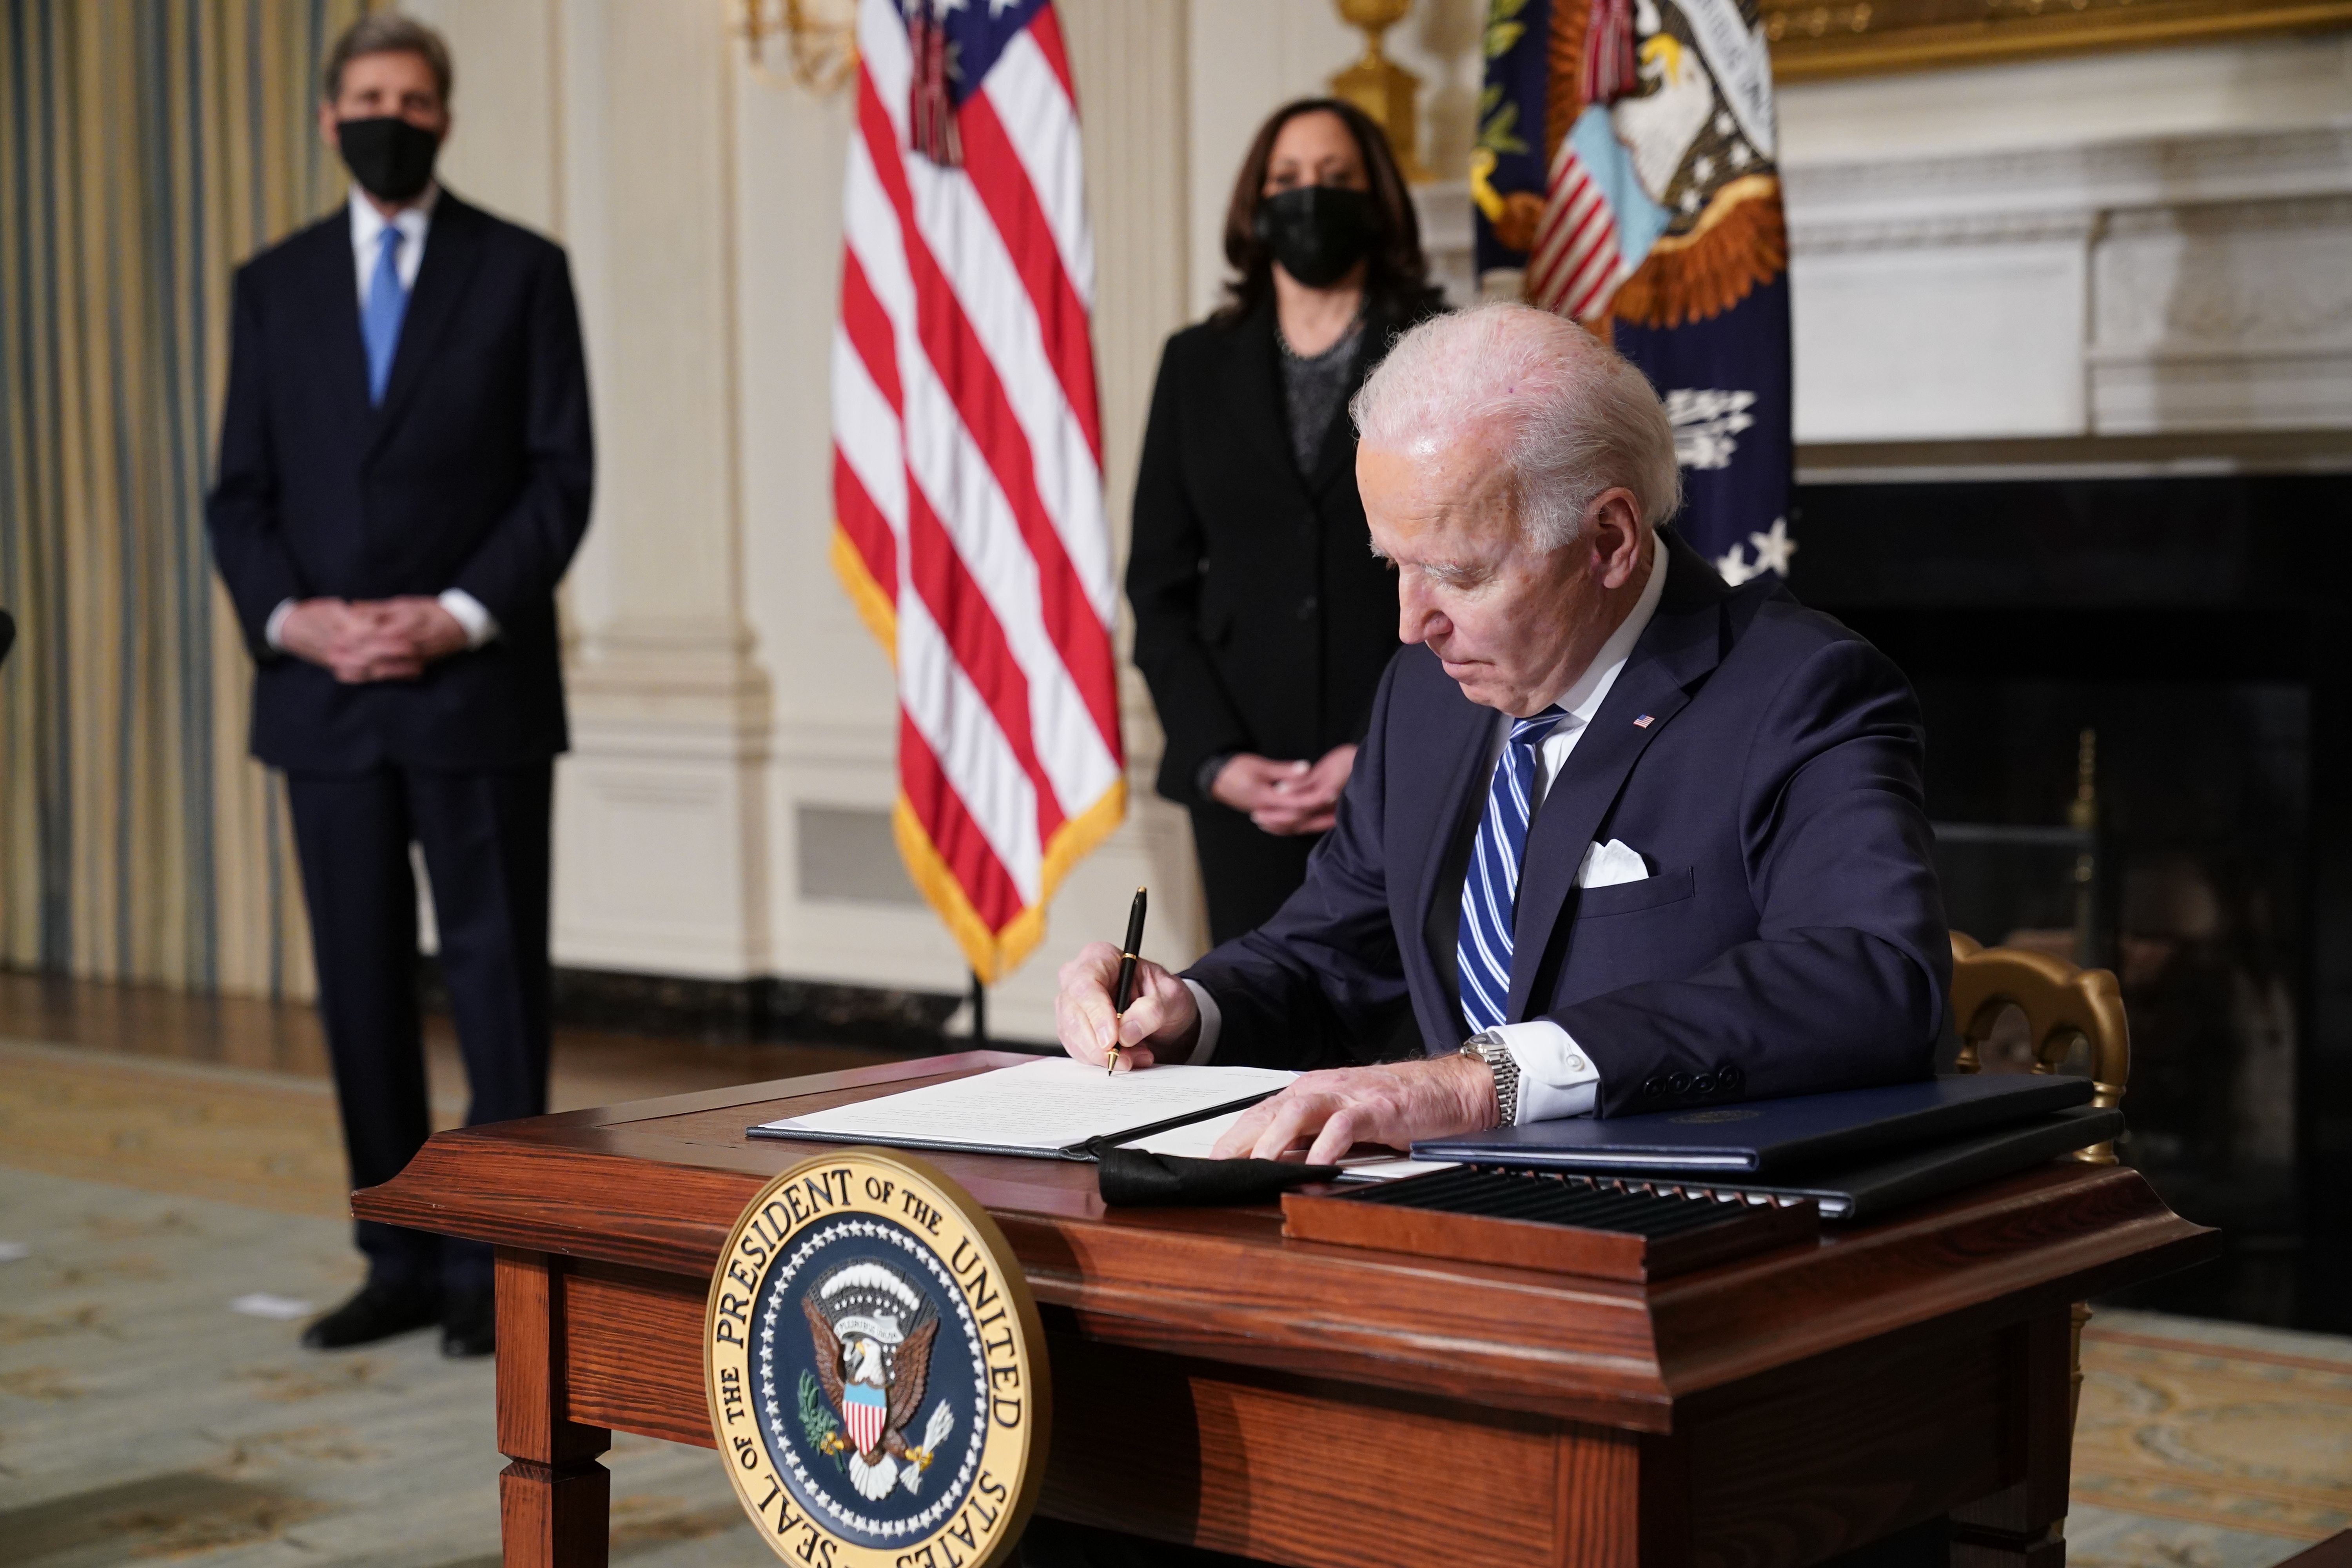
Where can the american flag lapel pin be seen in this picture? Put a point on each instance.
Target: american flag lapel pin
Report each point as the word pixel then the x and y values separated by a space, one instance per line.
pixel 1643 723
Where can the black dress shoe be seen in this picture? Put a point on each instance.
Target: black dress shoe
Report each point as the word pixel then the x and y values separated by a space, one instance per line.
pixel 377 1312
pixel 469 1323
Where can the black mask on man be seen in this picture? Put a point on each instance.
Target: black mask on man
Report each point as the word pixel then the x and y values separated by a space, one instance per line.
pixel 390 158
pixel 1317 232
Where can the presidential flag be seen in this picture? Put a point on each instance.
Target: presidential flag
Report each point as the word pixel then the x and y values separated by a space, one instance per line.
pixel 1624 167
pixel 968 457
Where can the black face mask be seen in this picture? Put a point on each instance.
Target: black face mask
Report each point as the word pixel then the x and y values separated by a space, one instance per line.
pixel 391 159
pixel 1317 232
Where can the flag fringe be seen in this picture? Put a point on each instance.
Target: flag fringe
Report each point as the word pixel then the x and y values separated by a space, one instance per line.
pixel 993 954
pixel 1740 242
pixel 873 606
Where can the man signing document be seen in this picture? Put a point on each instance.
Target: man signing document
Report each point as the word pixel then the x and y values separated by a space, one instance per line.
pixel 1621 838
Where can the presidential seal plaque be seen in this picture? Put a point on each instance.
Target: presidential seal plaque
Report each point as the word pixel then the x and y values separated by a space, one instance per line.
pixel 875 1369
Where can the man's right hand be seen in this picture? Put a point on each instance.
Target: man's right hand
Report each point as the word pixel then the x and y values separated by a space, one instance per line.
pixel 352 640
pixel 1163 1021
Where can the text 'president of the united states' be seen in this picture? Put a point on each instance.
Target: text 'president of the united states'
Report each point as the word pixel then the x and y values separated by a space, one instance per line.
pixel 1645 842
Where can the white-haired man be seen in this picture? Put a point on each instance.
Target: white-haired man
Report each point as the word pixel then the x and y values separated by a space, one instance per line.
pixel 1641 840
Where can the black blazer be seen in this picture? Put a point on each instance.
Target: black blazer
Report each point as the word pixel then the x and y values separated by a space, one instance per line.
pixel 1262 620
pixel 473 474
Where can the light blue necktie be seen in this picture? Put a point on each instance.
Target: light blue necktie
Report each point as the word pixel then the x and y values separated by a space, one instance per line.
pixel 380 318
pixel 1490 890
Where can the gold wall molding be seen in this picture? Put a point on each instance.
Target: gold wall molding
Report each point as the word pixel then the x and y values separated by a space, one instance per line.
pixel 1816 39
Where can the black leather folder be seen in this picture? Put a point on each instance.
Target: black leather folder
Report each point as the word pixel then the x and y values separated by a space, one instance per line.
pixel 1772 1137
pixel 1866 1191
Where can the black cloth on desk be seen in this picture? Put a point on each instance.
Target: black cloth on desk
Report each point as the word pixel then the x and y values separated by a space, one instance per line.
pixel 474 473
pixel 1134 1178
pixel 1262 619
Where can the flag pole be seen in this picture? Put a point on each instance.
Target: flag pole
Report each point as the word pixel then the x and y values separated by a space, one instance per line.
pixel 979 1012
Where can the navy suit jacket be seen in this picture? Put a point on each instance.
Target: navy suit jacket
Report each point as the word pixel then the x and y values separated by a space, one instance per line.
pixel 1791 939
pixel 474 473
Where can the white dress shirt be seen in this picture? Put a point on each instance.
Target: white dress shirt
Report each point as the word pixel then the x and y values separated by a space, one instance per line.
pixel 1556 1077
pixel 414 223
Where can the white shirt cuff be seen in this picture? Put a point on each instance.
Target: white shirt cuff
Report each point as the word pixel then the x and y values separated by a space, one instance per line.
pixel 1557 1077
pixel 480 627
pixel 1212 1020
pixel 276 625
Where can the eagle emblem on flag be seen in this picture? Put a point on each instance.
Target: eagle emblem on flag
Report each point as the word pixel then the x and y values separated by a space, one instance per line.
pixel 873 1329
pixel 1625 169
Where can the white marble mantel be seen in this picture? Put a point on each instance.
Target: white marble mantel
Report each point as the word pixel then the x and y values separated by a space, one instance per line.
pixel 2150 285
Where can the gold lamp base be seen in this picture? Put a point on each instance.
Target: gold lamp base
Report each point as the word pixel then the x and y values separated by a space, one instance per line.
pixel 1383 89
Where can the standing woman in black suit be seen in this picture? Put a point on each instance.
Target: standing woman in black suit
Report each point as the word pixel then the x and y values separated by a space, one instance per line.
pixel 1262 620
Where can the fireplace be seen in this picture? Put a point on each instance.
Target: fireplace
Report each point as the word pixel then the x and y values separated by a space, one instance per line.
pixel 2190 626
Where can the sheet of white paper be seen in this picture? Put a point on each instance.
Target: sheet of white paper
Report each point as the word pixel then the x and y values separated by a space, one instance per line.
pixel 1394 1169
pixel 1044 1106
pixel 1194 1140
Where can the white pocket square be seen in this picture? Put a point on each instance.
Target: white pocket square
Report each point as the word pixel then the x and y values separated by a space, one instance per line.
pixel 1606 865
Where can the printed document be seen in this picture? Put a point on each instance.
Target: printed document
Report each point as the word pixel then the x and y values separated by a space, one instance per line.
pixel 1055 1107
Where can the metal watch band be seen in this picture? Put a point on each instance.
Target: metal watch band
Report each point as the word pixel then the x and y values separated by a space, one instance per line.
pixel 1488 1048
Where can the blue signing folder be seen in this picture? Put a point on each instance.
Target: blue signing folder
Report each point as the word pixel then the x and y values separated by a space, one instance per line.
pixel 1765 1137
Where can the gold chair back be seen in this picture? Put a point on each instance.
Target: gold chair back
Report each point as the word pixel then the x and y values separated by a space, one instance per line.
pixel 2062 1004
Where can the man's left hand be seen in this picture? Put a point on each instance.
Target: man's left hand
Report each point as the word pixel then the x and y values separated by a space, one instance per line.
pixel 429 631
pixel 1392 1104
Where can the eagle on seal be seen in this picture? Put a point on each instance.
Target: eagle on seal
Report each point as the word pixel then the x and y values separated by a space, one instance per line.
pixel 873 1332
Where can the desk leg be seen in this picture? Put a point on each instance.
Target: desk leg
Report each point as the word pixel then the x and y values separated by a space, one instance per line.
pixel 554 1499
pixel 2020 1526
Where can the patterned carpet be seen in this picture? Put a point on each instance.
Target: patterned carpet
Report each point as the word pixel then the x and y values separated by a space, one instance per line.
pixel 145 1419
pixel 2205 1445
pixel 152 1215
pixel 264 1139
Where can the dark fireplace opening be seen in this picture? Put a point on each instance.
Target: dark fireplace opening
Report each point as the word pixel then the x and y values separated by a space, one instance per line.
pixel 2136 693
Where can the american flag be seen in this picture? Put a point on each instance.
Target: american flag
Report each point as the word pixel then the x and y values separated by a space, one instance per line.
pixel 968 457
pixel 1576 261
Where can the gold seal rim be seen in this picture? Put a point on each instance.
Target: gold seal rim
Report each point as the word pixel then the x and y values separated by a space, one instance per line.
pixel 1036 1443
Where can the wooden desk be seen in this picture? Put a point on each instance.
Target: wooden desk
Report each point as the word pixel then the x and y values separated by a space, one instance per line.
pixel 1327 1406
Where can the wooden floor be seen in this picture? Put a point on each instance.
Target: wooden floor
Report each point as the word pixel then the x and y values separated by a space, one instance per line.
pixel 591 1067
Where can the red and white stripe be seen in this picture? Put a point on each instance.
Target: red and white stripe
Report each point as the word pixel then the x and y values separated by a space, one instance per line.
pixel 1575 265
pixel 865 1424
pixel 968 481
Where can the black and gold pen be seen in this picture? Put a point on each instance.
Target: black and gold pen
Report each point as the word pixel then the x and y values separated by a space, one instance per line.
pixel 1124 992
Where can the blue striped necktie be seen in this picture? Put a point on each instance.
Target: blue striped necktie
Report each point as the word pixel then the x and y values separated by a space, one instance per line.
pixel 1490 891
pixel 387 302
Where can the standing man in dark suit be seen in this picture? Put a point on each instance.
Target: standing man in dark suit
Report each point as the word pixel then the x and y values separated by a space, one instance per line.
pixel 1643 841
pixel 404 472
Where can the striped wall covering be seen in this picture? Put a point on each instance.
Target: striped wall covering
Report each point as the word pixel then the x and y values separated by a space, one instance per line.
pixel 145 147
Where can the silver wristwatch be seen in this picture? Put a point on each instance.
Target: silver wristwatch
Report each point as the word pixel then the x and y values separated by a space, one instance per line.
pixel 1487 1046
